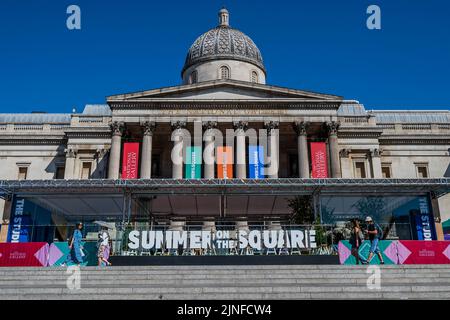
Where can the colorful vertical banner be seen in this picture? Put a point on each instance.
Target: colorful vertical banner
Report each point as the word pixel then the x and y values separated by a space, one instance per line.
pixel 424 221
pixel 130 160
pixel 193 166
pixel 224 162
pixel 319 160
pixel 256 162
pixel 20 225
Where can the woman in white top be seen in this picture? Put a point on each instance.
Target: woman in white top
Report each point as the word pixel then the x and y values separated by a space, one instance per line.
pixel 103 248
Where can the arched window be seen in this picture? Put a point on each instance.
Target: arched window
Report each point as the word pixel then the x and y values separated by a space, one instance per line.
pixel 254 77
pixel 193 77
pixel 224 72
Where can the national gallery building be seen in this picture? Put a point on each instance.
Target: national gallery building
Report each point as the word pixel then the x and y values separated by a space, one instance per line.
pixel 224 150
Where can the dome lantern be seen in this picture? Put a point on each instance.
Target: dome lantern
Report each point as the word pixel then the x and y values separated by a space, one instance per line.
pixel 223 53
pixel 224 17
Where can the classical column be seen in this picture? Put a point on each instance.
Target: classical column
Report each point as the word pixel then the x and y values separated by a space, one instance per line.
pixel 241 169
pixel 177 152
pixel 376 163
pixel 241 224
pixel 273 136
pixel 99 167
pixel 114 153
pixel 333 127
pixel 302 149
pixel 71 154
pixel 209 152
pixel 346 163
pixel 209 224
pixel 147 140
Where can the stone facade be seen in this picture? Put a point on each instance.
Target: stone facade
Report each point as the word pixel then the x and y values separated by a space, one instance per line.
pixel 361 144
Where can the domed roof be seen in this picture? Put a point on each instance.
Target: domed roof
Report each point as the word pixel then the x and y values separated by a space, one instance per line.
pixel 223 42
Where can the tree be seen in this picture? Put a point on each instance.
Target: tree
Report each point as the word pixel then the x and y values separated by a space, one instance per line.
pixel 302 209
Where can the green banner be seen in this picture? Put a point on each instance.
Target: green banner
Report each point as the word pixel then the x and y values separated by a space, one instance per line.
pixel 388 249
pixel 193 166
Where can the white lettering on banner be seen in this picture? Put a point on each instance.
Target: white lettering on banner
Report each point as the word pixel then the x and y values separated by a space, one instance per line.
pixel 131 168
pixel 148 242
pixel 179 238
pixel 17 226
pixel 425 219
pixel 195 240
pixel 255 239
pixel 133 237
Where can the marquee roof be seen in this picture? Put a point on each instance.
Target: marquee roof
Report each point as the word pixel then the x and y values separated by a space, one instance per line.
pixel 200 198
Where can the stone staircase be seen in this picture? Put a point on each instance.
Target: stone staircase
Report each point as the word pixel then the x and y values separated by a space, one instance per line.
pixel 227 282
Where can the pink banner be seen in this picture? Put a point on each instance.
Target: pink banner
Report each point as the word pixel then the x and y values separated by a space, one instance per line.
pixel 30 254
pixel 423 252
pixel 130 160
pixel 319 160
pixel 403 251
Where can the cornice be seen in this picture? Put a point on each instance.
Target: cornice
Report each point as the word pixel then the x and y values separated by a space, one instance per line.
pixel 226 104
pixel 32 141
pixel 405 140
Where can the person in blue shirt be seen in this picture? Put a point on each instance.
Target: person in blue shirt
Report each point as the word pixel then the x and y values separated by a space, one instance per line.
pixel 375 233
pixel 75 245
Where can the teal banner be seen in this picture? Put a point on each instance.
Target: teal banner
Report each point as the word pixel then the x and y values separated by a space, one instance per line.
pixel 59 254
pixel 388 251
pixel 193 166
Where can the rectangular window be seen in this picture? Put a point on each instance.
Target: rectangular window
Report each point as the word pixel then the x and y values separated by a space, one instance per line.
pixel 156 166
pixel 360 170
pixel 86 172
pixel 293 166
pixel 422 170
pixel 23 171
pixel 386 171
pixel 59 174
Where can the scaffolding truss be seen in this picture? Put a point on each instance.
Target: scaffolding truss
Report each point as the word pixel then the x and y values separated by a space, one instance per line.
pixel 437 187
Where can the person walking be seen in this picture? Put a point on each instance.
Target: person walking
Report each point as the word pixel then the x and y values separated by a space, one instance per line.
pixel 375 234
pixel 104 248
pixel 356 238
pixel 76 249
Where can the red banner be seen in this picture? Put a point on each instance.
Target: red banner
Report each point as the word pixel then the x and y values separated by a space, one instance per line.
pixel 319 160
pixel 130 160
pixel 224 162
pixel 423 252
pixel 30 254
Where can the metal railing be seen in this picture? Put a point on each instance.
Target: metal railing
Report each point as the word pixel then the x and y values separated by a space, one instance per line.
pixel 327 237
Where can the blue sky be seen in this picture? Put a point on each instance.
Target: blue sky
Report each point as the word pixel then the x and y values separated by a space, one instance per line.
pixel 134 45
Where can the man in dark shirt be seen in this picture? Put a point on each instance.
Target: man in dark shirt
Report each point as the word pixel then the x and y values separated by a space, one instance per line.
pixel 374 237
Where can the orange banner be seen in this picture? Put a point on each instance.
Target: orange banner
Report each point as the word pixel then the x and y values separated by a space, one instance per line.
pixel 224 162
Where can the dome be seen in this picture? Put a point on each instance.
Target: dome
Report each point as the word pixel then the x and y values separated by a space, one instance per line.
pixel 223 43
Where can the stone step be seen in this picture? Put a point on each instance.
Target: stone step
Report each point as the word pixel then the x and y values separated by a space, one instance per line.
pixel 236 296
pixel 140 282
pixel 241 296
pixel 227 282
pixel 238 277
pixel 227 290
pixel 113 271
pixel 233 267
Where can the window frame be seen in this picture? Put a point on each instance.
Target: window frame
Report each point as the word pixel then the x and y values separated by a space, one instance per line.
pixel 224 67
pixel 422 165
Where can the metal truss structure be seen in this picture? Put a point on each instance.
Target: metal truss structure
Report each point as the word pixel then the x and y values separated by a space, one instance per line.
pixel 437 187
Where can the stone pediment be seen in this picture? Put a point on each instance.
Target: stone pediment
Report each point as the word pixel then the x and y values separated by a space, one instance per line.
pixel 221 90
